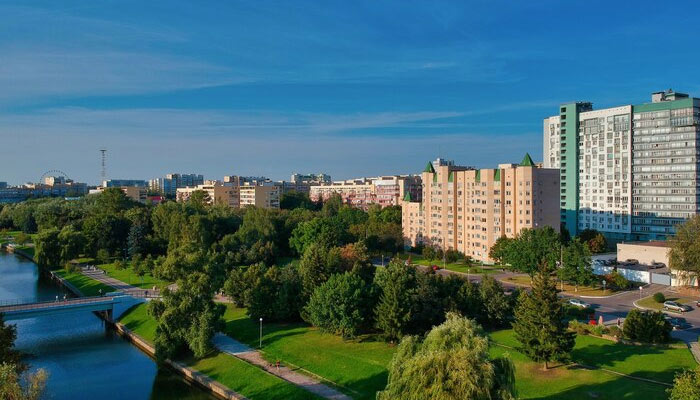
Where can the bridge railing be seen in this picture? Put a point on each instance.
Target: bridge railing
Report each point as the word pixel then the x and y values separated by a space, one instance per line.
pixel 28 304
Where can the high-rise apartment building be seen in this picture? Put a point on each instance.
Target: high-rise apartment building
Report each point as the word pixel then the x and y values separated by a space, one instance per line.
pixel 468 209
pixel 363 192
pixel 630 172
pixel 168 186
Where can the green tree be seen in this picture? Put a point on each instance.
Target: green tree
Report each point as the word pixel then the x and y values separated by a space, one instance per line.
pixel 113 201
pixel 8 354
pixel 103 256
pixel 22 238
pixel 187 318
pixel 199 200
pixel 47 249
pixel 684 255
pixel 317 265
pixel 497 306
pixel 136 240
pixel 340 305
pixel 327 232
pixel 451 363
pixel 539 322
pixel 12 389
pixel 576 263
pixel 533 248
pixel 499 250
pixel 294 199
pixel 276 296
pixel 397 287
pixel 72 243
pixel 686 385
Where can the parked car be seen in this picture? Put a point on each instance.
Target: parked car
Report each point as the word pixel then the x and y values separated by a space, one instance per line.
pixel 657 265
pixel 579 303
pixel 435 267
pixel 678 323
pixel 675 306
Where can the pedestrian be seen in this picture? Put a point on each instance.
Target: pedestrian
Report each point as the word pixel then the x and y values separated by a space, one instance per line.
pixel 278 365
pixel 618 322
pixel 57 298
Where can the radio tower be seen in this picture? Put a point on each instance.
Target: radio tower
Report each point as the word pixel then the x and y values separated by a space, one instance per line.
pixel 104 164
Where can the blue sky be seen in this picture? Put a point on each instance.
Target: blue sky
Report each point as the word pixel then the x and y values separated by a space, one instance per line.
pixel 350 88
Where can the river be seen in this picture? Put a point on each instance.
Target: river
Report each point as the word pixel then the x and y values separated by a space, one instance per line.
pixel 84 360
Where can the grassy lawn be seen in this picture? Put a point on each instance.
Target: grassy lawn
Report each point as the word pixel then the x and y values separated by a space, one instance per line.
pixel 457 266
pixel 524 280
pixel 246 379
pixel 127 275
pixel 359 368
pixel 649 302
pixel 570 382
pixel 88 286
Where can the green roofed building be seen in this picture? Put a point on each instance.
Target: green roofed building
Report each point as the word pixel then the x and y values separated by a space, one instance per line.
pixel 631 171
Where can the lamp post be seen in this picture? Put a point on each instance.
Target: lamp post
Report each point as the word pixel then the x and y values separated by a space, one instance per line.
pixel 640 293
pixel 260 333
pixel 604 283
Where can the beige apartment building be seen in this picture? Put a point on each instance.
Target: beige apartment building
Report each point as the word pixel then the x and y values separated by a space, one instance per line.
pixel 236 192
pixel 363 192
pixel 218 193
pixel 264 196
pixel 135 193
pixel 468 209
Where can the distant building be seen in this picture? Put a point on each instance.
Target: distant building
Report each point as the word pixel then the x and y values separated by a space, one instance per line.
pixel 171 182
pixel 468 209
pixel 217 191
pixel 363 192
pixel 264 196
pixel 124 183
pixel 310 178
pixel 3 185
pixel 135 193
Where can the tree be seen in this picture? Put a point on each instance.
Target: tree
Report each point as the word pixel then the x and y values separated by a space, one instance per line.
pixel 317 265
pixel 136 240
pixel 539 322
pixel 102 256
pixel 576 263
pixel 340 305
pixel 113 201
pixel 72 243
pixel 595 240
pixel 397 297
pixel 187 318
pixel 499 250
pixel 294 199
pixel 497 306
pixel 8 355
pixel 451 363
pixel 47 250
pixel 276 296
pixel 647 326
pixel 686 386
pixel 533 249
pixel 21 238
pixel 12 389
pixel 684 255
pixel 327 232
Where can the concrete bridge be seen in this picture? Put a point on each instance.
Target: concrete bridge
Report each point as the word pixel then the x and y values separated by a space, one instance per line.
pixel 102 304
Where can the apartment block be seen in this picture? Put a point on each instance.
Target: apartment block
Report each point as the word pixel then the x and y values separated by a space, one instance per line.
pixel 629 172
pixel 218 193
pixel 171 182
pixel 264 196
pixel 468 209
pixel 363 192
pixel 310 178
pixel 124 182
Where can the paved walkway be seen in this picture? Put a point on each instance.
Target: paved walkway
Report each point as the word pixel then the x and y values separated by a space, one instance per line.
pixel 239 350
pixel 99 275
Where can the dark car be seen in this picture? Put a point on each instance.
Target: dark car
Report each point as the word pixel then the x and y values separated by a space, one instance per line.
pixel 678 323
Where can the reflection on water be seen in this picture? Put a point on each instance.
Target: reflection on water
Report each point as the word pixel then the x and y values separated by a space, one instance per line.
pixel 84 360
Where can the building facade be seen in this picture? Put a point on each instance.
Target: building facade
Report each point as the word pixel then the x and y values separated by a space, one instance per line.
pixel 171 182
pixel 310 178
pixel 467 209
pixel 363 192
pixel 218 193
pixel 124 182
pixel 629 172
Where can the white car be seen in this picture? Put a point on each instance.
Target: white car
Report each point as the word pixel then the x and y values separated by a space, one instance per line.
pixel 579 303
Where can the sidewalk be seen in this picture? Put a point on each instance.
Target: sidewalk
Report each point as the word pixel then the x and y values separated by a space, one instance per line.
pixel 239 350
pixel 99 275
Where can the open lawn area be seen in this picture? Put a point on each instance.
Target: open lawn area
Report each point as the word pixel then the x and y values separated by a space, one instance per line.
pixel 571 382
pixel 87 286
pixel 457 266
pixel 358 368
pixel 127 275
pixel 649 302
pixel 246 379
pixel 524 280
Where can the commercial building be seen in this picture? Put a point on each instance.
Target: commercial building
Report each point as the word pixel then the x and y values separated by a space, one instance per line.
pixel 468 209
pixel 630 172
pixel 363 192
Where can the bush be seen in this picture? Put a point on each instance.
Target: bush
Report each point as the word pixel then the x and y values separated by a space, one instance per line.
pixel 102 256
pixel 452 256
pixel 615 331
pixel 578 313
pixel 659 297
pixel 647 327
pixel 428 253
pixel 617 281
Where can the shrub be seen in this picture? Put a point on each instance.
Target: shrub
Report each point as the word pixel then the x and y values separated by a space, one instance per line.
pixel 103 256
pixel 617 281
pixel 647 326
pixel 428 253
pixel 659 297
pixel 615 331
pixel 579 313
pixel 578 327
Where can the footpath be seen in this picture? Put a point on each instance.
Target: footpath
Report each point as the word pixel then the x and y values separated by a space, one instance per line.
pixel 226 344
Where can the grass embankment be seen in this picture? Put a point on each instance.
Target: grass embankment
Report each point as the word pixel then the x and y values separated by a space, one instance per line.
pixel 239 376
pixel 87 286
pixel 457 266
pixel 573 382
pixel 649 302
pixel 10 236
pixel 358 368
pixel 127 275
pixel 524 280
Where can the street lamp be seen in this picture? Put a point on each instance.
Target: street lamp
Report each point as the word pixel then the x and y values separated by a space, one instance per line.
pixel 260 333
pixel 604 283
pixel 640 293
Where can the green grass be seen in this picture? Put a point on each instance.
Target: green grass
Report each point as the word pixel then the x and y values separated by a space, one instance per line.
pixel 457 266
pixel 570 382
pixel 127 275
pixel 359 367
pixel 87 286
pixel 649 302
pixel 525 280
pixel 239 376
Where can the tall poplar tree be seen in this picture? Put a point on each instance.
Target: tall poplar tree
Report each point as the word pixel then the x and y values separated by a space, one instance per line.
pixel 539 322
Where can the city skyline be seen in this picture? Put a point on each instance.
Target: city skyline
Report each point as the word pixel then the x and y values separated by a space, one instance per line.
pixel 347 90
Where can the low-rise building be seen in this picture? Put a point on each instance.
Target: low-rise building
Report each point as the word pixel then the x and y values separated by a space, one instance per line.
pixel 135 193
pixel 218 193
pixel 264 196
pixel 363 192
pixel 468 209
pixel 124 183
pixel 310 178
